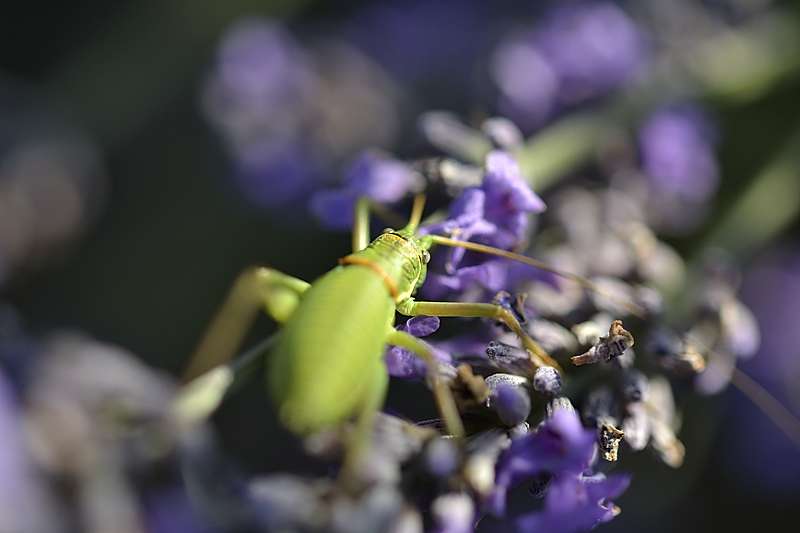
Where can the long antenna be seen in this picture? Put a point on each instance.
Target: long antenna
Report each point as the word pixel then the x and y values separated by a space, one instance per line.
pixel 769 405
pixel 632 307
pixel 416 213
pixel 755 392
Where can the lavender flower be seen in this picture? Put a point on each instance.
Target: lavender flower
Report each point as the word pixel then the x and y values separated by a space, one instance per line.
pixel 372 175
pixel 257 98
pixel 547 380
pixel 576 52
pixel 560 446
pixel 576 503
pixel 422 41
pixel 496 213
pixel 677 151
pixel 282 110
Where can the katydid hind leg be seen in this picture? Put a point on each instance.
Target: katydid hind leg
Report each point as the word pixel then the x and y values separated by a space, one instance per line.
pixel 540 357
pixel 198 399
pixel 210 374
pixel 255 288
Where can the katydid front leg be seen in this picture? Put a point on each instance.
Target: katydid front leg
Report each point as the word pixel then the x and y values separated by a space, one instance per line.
pixel 441 392
pixel 539 356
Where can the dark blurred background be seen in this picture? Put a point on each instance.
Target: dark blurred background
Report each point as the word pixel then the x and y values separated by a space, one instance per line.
pixel 166 230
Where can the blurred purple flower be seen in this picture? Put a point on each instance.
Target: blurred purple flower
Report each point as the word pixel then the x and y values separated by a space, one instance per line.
pixel 257 97
pixel 677 150
pixel 420 41
pixel 561 446
pixel 260 84
pixel 577 52
pixel 772 290
pixel 171 510
pixel 576 503
pixel 592 46
pixel 270 176
pixel 373 175
pixel 23 502
pixel 453 513
pixel 402 363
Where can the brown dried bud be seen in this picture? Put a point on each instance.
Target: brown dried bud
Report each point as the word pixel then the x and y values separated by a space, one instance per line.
pixel 607 348
pixel 610 437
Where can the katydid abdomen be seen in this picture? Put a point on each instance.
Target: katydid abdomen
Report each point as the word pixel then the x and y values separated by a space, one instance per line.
pixel 331 349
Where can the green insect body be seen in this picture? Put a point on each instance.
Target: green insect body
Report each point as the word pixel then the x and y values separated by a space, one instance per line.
pixel 326 364
pixel 354 306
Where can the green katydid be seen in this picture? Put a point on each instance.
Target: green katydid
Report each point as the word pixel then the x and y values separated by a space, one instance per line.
pixel 338 327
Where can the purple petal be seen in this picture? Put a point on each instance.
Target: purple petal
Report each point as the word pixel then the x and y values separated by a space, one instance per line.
pixel 403 364
pixel 381 178
pixel 334 208
pixel 504 182
pixel 422 326
pixel 677 153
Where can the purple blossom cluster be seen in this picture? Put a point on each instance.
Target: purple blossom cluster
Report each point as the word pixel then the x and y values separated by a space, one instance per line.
pixel 576 52
pixel 287 113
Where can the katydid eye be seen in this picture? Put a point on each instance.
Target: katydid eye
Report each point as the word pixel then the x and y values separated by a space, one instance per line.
pixel 387 230
pixel 426 257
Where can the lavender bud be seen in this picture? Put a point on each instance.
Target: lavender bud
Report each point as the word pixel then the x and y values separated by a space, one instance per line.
pixel 285 502
pixel 636 426
pixel 453 513
pixel 502 132
pixel 559 402
pixel 600 407
pixel 626 359
pixel 509 358
pixel 547 381
pixel 649 299
pixel 589 332
pixel 664 423
pixel 377 509
pixel 509 398
pixel 613 296
pixel 441 457
pixel 553 337
pixel 634 385
pixel 520 430
pixel 445 131
pixel 481 456
pixel 675 354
